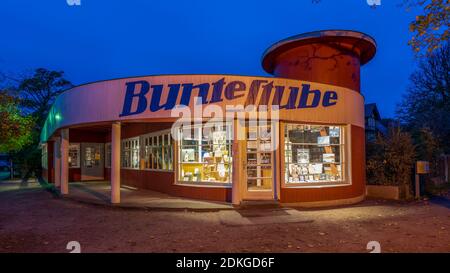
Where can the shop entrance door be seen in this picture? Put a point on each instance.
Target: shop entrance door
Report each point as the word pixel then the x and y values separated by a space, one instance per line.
pixel 259 165
pixel 92 163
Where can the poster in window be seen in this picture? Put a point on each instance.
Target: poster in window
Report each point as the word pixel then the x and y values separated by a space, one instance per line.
pixel 304 169
pixel 293 170
pixel 323 140
pixel 265 146
pixel 188 155
pixel 73 156
pixel 303 155
pixel 315 168
pixel 334 131
pixel 328 158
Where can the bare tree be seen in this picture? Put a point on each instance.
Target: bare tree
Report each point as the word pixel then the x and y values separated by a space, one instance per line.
pixel 426 105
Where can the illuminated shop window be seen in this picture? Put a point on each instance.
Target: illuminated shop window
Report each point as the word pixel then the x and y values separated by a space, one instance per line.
pixel 130 153
pixel 313 154
pixel 108 155
pixel 74 155
pixel 157 151
pixel 44 156
pixel 204 154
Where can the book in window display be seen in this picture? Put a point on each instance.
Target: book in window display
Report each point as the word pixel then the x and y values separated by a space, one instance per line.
pixel 265 146
pixel 221 170
pixel 294 171
pixel 252 132
pixel 265 158
pixel 252 145
pixel 302 155
pixel 288 152
pixel 304 169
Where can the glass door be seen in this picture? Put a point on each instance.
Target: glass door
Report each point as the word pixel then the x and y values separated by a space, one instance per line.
pixel 259 163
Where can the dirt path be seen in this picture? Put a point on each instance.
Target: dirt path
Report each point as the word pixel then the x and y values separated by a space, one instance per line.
pixel 32 220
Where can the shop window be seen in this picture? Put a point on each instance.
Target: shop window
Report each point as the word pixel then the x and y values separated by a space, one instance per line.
pixel 130 153
pixel 44 156
pixel 314 154
pixel 108 155
pixel 74 155
pixel 158 152
pixel 204 154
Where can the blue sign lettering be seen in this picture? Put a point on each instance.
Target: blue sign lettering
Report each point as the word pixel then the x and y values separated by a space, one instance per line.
pixel 129 95
pixel 136 95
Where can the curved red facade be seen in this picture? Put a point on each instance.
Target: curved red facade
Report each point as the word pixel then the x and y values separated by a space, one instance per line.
pixel 124 131
pixel 330 57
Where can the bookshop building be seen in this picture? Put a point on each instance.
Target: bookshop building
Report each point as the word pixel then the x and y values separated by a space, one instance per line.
pixel 195 136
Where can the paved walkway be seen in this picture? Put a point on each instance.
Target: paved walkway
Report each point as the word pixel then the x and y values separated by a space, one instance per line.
pixel 98 192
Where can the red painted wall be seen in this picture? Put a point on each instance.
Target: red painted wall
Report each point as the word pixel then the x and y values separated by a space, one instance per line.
pixel 320 63
pixel 80 135
pixel 164 182
pixel 74 174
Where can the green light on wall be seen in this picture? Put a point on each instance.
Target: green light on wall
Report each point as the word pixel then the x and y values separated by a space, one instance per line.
pixel 58 117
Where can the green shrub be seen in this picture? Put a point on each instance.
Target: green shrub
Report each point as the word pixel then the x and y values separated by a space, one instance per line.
pixel 390 160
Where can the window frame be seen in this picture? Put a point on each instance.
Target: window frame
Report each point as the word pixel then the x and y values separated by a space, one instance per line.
pixel 345 157
pixel 202 183
pixel 122 152
pixel 145 140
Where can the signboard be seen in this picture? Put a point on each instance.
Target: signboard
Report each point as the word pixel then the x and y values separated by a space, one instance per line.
pixel 157 97
pixel 422 167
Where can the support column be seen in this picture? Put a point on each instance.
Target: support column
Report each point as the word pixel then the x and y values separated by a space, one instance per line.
pixel 57 161
pixel 237 164
pixel 115 163
pixel 64 161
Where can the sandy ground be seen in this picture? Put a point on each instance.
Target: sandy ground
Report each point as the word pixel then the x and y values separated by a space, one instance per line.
pixel 33 220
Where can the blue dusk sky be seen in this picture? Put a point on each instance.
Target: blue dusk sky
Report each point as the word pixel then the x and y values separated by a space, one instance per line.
pixel 104 39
